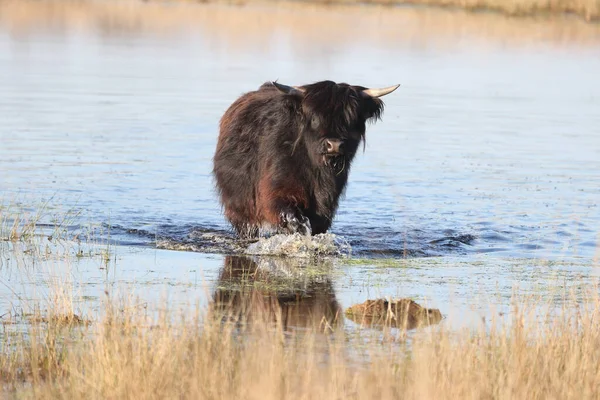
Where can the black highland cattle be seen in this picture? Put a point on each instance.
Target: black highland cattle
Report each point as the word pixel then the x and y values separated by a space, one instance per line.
pixel 284 153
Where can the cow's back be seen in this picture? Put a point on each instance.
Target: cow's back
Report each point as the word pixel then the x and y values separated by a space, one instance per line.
pixel 236 161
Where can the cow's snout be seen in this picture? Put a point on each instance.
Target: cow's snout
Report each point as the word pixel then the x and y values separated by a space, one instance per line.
pixel 334 146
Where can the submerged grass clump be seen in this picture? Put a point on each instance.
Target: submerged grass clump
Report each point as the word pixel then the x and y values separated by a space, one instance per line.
pixel 16 224
pixel 20 222
pixel 401 313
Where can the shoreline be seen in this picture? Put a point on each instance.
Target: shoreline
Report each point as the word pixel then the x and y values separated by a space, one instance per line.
pixel 586 10
pixel 256 21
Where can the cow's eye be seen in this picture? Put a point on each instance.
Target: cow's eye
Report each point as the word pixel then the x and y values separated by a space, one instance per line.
pixel 314 122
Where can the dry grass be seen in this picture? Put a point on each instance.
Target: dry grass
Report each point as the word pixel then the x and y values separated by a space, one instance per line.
pixel 587 9
pixel 18 225
pixel 255 25
pixel 23 223
pixel 129 354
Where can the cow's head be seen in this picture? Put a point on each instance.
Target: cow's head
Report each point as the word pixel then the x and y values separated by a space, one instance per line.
pixel 333 118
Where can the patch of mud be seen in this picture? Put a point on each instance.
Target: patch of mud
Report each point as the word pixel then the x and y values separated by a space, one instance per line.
pixel 402 313
pixel 297 245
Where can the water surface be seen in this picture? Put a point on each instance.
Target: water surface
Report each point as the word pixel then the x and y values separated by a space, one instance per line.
pixel 487 156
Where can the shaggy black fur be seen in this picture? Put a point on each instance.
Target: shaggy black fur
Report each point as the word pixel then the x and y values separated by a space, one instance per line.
pixel 271 166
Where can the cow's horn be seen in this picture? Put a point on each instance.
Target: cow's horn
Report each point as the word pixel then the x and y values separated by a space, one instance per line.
pixel 380 92
pixel 287 89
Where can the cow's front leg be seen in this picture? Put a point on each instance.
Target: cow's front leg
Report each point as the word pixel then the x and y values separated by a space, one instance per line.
pixel 280 203
pixel 292 221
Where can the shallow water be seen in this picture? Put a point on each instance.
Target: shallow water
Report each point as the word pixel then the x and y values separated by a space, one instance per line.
pixel 466 290
pixel 489 151
pixel 485 138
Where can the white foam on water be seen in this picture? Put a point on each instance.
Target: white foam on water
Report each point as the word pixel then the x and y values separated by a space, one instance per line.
pixel 297 245
pixel 295 269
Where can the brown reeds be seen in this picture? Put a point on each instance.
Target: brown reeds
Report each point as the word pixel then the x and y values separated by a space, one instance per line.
pixel 587 9
pixel 305 23
pixel 130 354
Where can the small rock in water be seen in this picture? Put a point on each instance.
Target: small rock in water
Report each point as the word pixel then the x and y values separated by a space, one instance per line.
pixel 402 313
pixel 298 245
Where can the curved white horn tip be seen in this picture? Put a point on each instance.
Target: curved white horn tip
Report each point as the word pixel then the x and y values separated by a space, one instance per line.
pixel 381 92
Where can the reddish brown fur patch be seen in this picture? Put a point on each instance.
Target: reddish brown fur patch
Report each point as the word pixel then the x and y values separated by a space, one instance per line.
pixel 270 200
pixel 240 219
pixel 238 106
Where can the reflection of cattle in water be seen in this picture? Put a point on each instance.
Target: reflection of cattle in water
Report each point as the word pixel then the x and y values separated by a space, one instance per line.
pixel 249 292
pixel 284 154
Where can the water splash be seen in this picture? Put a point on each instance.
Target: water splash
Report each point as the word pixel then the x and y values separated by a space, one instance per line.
pixel 297 245
pixel 294 270
pixel 375 242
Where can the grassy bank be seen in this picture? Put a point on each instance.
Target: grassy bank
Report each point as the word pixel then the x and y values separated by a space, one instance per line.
pixel 254 347
pixel 127 354
pixel 304 23
pixel 587 9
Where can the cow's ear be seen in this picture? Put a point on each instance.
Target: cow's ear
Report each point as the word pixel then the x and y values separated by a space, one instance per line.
pixel 288 89
pixel 372 109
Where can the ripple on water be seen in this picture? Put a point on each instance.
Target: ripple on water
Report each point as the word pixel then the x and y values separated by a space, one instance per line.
pixel 204 242
pixel 376 242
